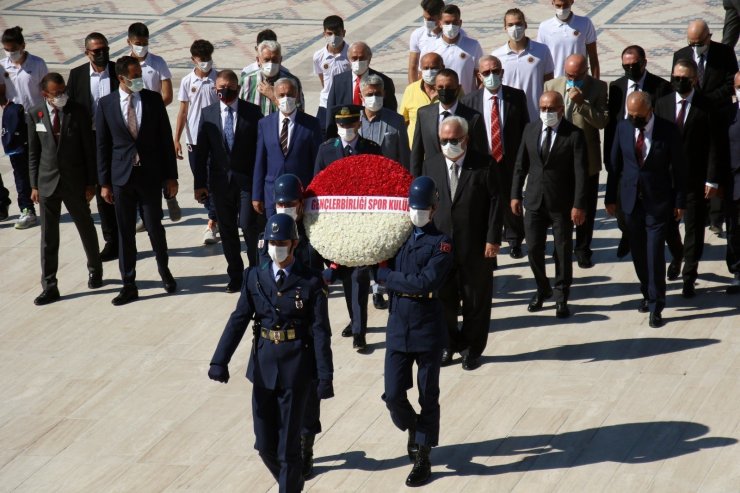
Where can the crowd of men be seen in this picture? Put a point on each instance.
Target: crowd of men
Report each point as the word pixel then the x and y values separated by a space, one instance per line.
pixel 476 127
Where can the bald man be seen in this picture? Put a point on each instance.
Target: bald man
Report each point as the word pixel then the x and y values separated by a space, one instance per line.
pixel 647 168
pixel 422 92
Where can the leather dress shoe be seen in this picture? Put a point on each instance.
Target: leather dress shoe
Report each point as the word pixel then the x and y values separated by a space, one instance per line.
pixel 347 331
pixel 656 320
pixel 470 362
pixel 411 447
pixel 446 357
pixel 109 252
pixel 307 442
pixel 585 262
pixel 127 294
pixel 688 291
pixel 562 310
pixel 516 252
pixel 168 281
pixel 535 304
pixel 47 296
pixel 379 301
pixel 422 470
pixel 358 342
pixel 644 306
pixel 95 280
pixel 674 270
pixel 233 287
pixel 624 247
pixel 734 287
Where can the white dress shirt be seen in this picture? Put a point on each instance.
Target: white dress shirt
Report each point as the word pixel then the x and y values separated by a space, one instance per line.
pixel 648 134
pixel 291 124
pixel 631 88
pixel 452 110
pixel 488 108
pixel 99 86
pixel 124 102
pixel 543 135
pixel 224 112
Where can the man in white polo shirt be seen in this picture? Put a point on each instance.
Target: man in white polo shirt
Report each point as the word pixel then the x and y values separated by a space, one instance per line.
pixel 459 52
pixel 567 34
pixel 424 38
pixel 330 61
pixel 527 64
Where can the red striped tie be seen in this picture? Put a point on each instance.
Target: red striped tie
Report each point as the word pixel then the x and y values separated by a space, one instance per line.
pixel 497 148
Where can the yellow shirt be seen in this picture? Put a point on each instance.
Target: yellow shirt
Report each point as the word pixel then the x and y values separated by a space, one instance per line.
pixel 414 98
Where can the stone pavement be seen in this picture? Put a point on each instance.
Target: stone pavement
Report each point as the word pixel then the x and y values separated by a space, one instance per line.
pixel 98 398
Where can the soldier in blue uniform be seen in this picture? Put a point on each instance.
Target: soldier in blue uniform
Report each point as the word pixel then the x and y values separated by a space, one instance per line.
pixel 416 330
pixel 291 346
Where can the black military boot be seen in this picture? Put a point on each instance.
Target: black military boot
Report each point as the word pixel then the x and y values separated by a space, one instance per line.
pixel 411 445
pixel 307 455
pixel 422 470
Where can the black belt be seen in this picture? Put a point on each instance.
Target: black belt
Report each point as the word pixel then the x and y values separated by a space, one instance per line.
pixel 425 296
pixel 278 336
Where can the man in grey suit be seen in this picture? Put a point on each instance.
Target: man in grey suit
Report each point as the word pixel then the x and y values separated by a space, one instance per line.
pixel 62 169
pixel 381 125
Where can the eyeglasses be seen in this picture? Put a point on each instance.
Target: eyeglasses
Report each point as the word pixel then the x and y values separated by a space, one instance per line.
pixel 454 142
pixel 496 71
pixel 99 51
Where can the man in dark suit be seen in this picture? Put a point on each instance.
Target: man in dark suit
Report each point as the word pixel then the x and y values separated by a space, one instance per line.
pixel 85 86
pixel 553 155
pixel 731 29
pixel 135 155
pixel 731 153
pixel 699 133
pixel 636 78
pixel 62 169
pixel 287 142
pixel 426 134
pixel 345 87
pixel 647 170
pixel 469 213
pixel 505 114
pixel 224 165
pixel 355 280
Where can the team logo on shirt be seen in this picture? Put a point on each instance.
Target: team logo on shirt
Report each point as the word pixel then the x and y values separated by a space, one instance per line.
pixel 530 59
pixel 192 90
pixel 576 33
pixel 445 247
pixel 326 66
pixel 462 55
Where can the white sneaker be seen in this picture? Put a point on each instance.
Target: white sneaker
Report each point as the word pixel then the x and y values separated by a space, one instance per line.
pixel 210 235
pixel 140 228
pixel 26 219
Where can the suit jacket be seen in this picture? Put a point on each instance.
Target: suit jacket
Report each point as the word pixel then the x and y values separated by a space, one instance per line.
pixel 558 184
pixel 393 138
pixel 591 116
pixel 271 163
pixel 117 148
pixel 699 139
pixel 342 89
pixel 236 164
pixel 654 85
pixel 78 85
pixel 473 217
pixel 661 179
pixel 426 134
pixel 720 68
pixel 516 117
pixel 332 150
pixel 72 161
pixel 733 135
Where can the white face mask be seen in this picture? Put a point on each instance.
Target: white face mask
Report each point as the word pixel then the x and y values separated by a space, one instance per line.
pixel 420 217
pixel 139 51
pixel 59 101
pixel 515 32
pixel 278 254
pixel 492 82
pixel 291 211
pixel 347 134
pixel 453 151
pixel 373 103
pixel 699 50
pixel 359 67
pixel 286 105
pixel 429 75
pixel 430 26
pixel 450 30
pixel 14 55
pixel 334 41
pixel 270 69
pixel 205 66
pixel 549 119
pixel 562 14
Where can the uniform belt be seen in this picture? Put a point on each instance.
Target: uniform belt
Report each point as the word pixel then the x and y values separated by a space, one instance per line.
pixel 278 336
pixel 425 296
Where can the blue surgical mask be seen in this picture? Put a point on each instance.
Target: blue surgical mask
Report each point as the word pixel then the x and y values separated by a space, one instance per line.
pixel 492 82
pixel 575 83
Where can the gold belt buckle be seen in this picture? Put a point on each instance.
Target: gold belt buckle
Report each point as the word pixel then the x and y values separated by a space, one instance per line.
pixel 276 336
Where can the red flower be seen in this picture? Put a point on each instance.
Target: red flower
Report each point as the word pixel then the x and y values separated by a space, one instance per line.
pixel 41 114
pixel 362 175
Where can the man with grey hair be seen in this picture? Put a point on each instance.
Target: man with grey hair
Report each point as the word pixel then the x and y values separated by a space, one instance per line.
pixel 345 88
pixel 468 212
pixel 258 85
pixel 381 125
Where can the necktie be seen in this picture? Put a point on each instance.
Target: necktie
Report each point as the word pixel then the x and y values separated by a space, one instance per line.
pixel 545 151
pixel 131 123
pixel 497 148
pixel 55 127
pixel 635 87
pixel 348 150
pixel 681 115
pixel 700 65
pixel 284 136
pixel 453 179
pixel 229 129
pixel 445 114
pixel 356 99
pixel 640 148
pixel 280 278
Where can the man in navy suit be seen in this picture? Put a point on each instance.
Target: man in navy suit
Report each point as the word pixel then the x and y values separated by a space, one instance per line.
pixel 287 142
pixel 135 155
pixel 732 193
pixel 648 167
pixel 224 165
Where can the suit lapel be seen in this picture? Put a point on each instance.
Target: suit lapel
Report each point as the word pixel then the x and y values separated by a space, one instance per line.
pixel 46 120
pixel 297 130
pixel 66 115
pixel 465 173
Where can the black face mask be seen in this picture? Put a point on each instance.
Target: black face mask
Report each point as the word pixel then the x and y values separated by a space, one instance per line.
pixel 681 85
pixel 633 71
pixel 227 94
pixel 638 121
pixel 101 59
pixel 447 96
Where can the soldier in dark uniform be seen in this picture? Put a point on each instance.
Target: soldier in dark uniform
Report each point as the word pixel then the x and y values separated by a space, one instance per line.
pixel 291 346
pixel 416 331
pixel 355 280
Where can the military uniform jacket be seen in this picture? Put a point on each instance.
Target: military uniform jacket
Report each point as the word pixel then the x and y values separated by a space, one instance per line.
pixel 420 267
pixel 301 304
pixel 304 253
pixel 332 150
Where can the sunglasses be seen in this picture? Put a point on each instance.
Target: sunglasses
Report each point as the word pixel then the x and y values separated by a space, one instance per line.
pixel 99 51
pixel 454 142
